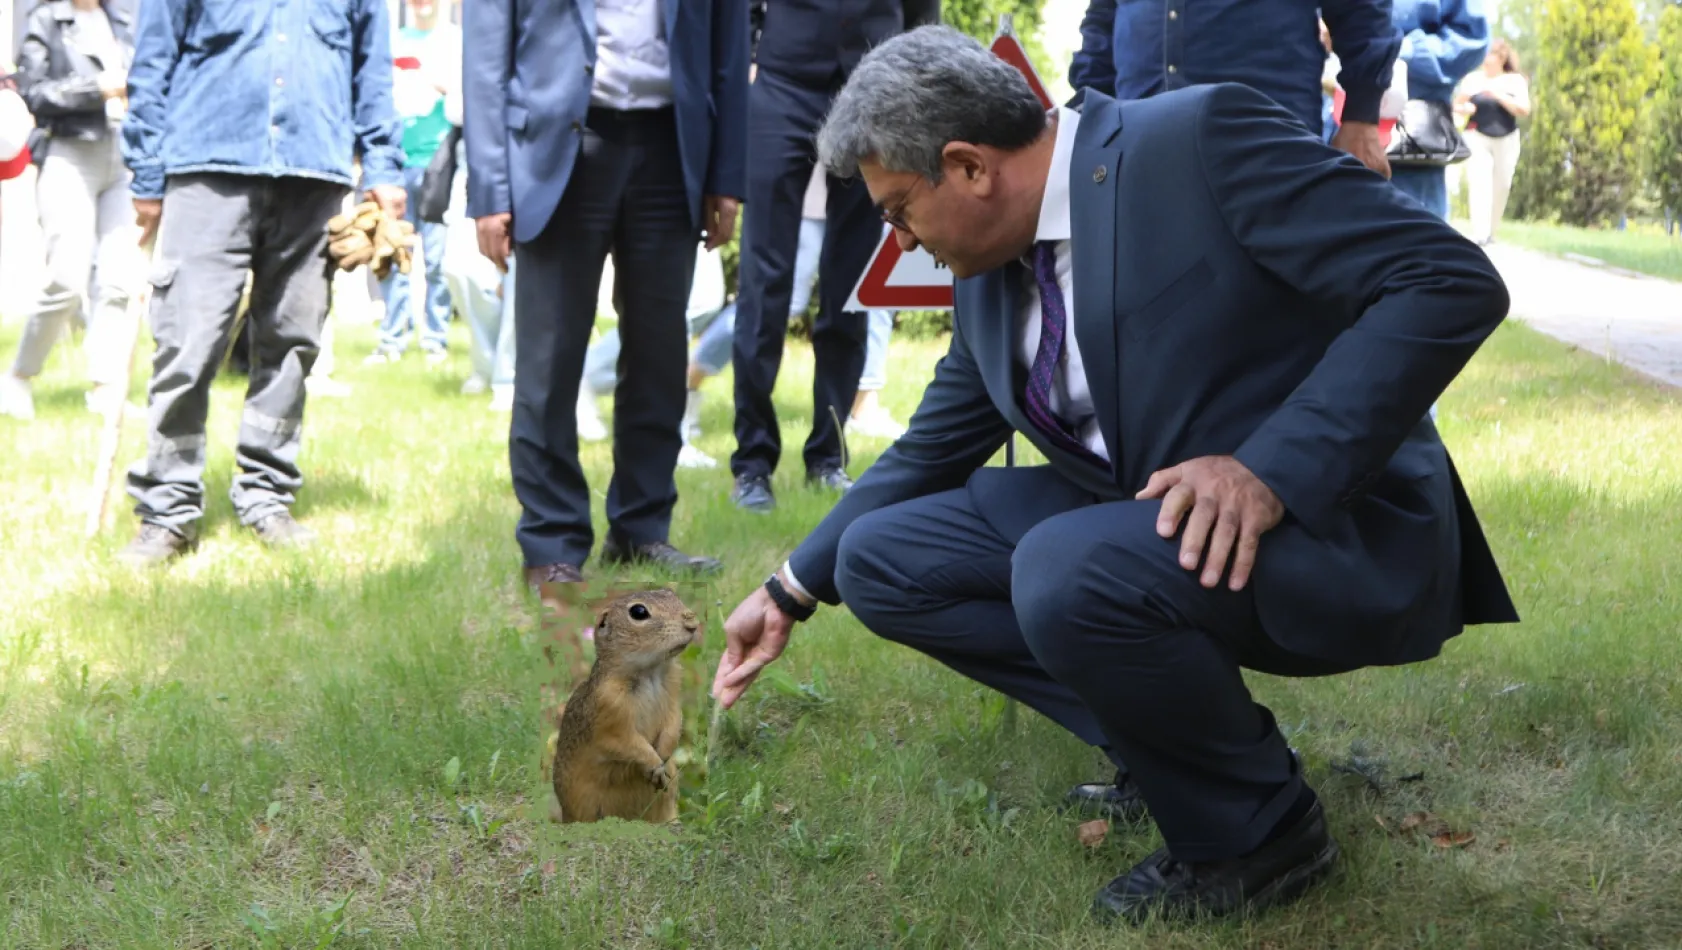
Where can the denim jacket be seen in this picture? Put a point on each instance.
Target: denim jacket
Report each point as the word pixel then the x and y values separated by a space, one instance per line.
pixel 262 87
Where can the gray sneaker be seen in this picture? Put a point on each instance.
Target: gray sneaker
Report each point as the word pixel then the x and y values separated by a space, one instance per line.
pixel 155 545
pixel 281 530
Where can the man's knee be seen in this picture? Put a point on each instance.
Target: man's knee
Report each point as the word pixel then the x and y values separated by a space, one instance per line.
pixel 1088 571
pixel 866 575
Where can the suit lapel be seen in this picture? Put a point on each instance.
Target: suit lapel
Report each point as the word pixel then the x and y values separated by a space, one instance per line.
pixel 587 14
pixel 1094 169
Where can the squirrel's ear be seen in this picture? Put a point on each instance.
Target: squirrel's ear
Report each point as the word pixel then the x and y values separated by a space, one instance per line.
pixel 601 619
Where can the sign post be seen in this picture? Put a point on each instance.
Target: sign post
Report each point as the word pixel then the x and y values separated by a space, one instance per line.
pixel 896 280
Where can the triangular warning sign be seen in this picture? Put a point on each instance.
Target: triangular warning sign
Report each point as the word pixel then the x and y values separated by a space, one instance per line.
pixel 896 280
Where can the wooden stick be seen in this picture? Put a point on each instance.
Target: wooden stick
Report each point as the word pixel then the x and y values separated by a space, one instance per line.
pixel 111 435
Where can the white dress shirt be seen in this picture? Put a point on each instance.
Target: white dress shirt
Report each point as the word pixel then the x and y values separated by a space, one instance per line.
pixel 633 68
pixel 1071 398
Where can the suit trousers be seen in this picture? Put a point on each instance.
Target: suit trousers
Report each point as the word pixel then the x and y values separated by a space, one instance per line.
pixel 782 120
pixel 1089 619
pixel 627 195
pixel 217 228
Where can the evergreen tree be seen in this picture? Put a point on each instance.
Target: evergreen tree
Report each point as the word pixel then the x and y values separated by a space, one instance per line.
pixel 1664 118
pixel 1582 157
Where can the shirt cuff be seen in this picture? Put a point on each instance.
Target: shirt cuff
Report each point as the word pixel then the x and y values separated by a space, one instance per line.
pixel 794 582
pixel 148 182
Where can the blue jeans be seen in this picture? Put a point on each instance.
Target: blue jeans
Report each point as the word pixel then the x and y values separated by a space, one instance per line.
pixel 1427 185
pixel 711 352
pixel 490 324
pixel 399 306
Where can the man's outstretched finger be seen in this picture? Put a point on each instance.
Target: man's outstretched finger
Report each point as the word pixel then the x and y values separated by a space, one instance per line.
pixel 1220 548
pixel 1175 504
pixel 1249 539
pixel 1160 481
pixel 1203 515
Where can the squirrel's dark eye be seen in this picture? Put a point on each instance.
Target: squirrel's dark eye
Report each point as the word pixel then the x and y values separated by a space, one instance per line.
pixel 639 612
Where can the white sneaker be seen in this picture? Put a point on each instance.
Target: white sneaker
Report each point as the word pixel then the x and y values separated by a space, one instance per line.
pixel 691 457
pixel 17 398
pixel 474 386
pixel 502 398
pixel 326 387
pixel 691 428
pixel 382 355
pixel 590 428
pixel 877 423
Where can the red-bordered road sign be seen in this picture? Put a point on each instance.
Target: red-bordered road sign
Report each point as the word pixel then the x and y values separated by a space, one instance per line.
pixel 896 280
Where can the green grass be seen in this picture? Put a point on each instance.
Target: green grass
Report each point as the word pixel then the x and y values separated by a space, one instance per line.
pixel 1647 250
pixel 255 750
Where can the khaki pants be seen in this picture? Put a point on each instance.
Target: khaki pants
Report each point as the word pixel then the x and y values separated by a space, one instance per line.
pixel 1489 178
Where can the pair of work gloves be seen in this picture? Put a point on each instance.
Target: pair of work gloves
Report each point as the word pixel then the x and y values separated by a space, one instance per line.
pixel 368 236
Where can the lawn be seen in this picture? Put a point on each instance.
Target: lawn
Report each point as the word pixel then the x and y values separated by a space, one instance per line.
pixel 262 750
pixel 1644 249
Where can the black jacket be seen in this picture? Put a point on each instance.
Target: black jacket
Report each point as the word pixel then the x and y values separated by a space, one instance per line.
pixel 818 42
pixel 60 84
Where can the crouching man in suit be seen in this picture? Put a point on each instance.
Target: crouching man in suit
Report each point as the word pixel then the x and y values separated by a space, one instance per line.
pixel 1225 336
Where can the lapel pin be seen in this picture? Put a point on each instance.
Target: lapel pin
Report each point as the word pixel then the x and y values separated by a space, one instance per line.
pixel 1099 174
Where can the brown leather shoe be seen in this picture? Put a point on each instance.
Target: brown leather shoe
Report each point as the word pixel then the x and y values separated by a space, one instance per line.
pixel 536 577
pixel 154 545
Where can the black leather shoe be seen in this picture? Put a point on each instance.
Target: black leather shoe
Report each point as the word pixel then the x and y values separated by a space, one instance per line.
pixel 616 551
pixel 753 493
pixel 1118 801
pixel 832 477
pixel 281 530
pixel 155 544
pixel 1276 873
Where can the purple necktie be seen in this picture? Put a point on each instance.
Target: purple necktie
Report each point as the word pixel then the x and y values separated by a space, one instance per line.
pixel 1053 324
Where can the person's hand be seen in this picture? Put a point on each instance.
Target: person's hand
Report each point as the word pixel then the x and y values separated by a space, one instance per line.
pixel 113 84
pixel 755 634
pixel 718 219
pixel 1360 139
pixel 394 201
pixel 496 238
pixel 1223 495
pixel 147 213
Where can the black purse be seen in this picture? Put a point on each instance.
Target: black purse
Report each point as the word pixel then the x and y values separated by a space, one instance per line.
pixel 1425 135
pixel 440 174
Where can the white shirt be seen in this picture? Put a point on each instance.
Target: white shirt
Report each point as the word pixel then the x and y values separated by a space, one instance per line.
pixel 633 68
pixel 1071 398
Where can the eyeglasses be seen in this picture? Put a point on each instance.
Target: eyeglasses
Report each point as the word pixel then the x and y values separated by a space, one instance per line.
pixel 895 217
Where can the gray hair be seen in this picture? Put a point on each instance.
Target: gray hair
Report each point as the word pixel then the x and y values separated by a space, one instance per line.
pixel 917 92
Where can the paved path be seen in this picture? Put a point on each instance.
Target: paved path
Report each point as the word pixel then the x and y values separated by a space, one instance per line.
pixel 1596 307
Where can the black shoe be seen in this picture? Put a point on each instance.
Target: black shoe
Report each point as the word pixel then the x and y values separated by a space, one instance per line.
pixel 616 551
pixel 1118 801
pixel 557 573
pixel 832 477
pixel 155 544
pixel 753 493
pixel 1276 873
pixel 280 530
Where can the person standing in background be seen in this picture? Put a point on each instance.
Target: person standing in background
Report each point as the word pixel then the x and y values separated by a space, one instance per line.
pixel 806 51
pixel 427 55
pixel 1442 41
pixel 73 75
pixel 1493 98
pixel 244 123
pixel 617 127
pixel 1131 49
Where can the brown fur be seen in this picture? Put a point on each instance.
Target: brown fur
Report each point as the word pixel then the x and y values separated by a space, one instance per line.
pixel 621 726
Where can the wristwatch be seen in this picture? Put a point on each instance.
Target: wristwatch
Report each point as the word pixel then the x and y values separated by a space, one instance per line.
pixel 786 601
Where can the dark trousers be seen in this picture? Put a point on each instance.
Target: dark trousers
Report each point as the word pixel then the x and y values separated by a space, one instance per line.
pixel 783 118
pixel 217 228
pixel 1089 619
pixel 626 195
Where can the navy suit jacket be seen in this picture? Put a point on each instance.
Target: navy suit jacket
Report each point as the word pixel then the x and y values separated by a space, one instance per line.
pixel 1240 289
pixel 527 71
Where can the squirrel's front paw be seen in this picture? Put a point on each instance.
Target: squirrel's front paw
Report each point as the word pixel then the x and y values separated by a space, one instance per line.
pixel 660 776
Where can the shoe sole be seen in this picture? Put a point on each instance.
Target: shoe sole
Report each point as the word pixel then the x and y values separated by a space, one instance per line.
pixel 633 561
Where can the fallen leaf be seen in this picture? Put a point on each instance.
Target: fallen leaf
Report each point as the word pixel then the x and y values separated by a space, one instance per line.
pixel 1092 833
pixel 1503 844
pixel 549 868
pixel 783 808
pixel 1381 822
pixel 1425 823
pixel 1453 839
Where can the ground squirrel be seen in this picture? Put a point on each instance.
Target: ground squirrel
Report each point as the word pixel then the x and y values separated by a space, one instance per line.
pixel 621 726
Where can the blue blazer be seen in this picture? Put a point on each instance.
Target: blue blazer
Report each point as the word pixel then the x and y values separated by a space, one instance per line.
pixel 527 70
pixel 1240 288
